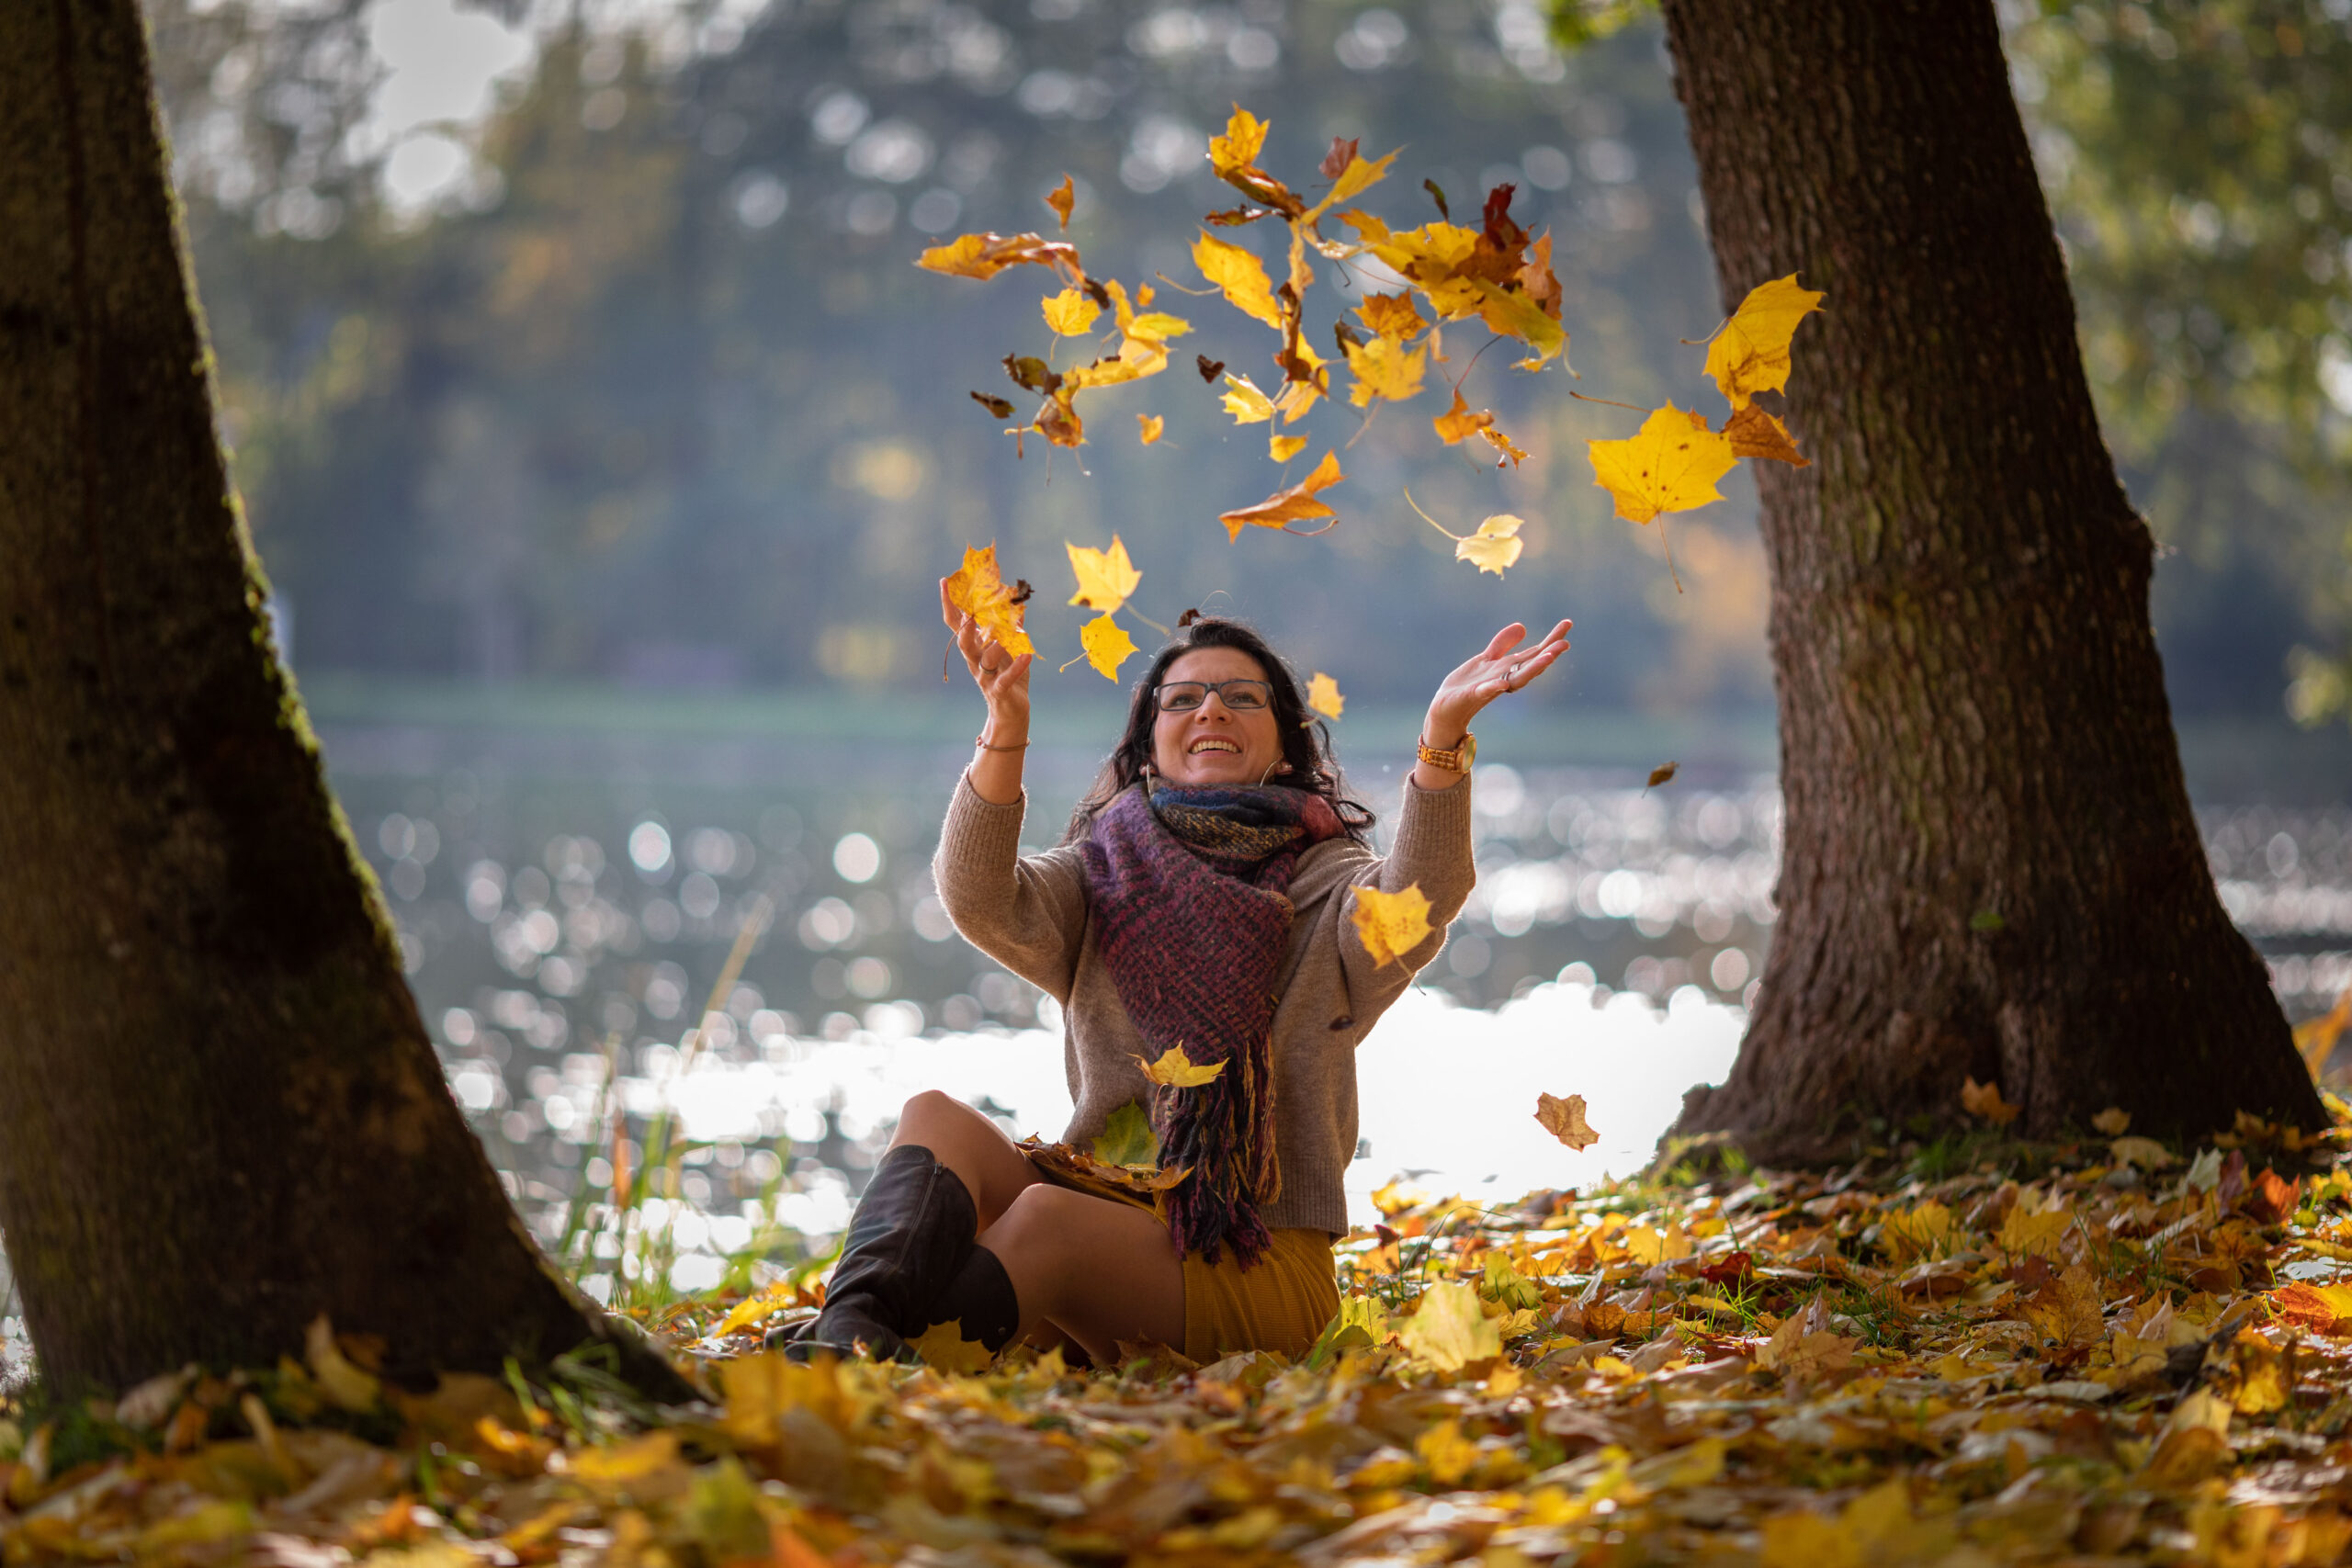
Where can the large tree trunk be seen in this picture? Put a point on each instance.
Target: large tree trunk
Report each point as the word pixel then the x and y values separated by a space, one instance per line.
pixel 220 1115
pixel 1990 867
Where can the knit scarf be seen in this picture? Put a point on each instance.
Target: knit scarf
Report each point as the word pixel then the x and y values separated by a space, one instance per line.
pixel 1190 893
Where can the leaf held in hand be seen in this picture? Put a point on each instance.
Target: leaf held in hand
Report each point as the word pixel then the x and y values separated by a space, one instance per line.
pixel 1983 1100
pixel 1671 465
pixel 1391 925
pixel 1296 503
pixel 1174 1069
pixel 1107 645
pixel 943 1348
pixel 978 590
pixel 1323 695
pixel 1105 578
pixel 1495 546
pixel 1563 1119
pixel 1128 1138
pixel 1751 354
pixel 1063 199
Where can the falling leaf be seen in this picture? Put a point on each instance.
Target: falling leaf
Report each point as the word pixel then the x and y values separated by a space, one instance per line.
pixel 1107 643
pixel 2112 1121
pixel 1514 315
pixel 979 593
pixel 1150 426
pixel 1282 449
pixel 1174 1069
pixel 943 1348
pixel 1000 406
pixel 1237 149
pixel 1342 154
pixel 1983 1100
pixel 1244 402
pixel 984 255
pixel 1449 1330
pixel 1323 695
pixel 1360 174
pixel 1383 369
pixel 1458 422
pixel 1391 925
pixel 1105 578
pixel 1392 315
pixel 1663 773
pixel 1210 368
pixel 1563 1119
pixel 1030 372
pixel 2316 1038
pixel 1063 198
pixel 1241 275
pixel 1495 546
pixel 1070 313
pixel 1753 433
pixel 1437 196
pixel 1671 465
pixel 1128 1139
pixel 1506 449
pixel 1751 354
pixel 1296 503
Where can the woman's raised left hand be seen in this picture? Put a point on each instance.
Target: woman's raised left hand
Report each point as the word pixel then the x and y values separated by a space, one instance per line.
pixel 1502 666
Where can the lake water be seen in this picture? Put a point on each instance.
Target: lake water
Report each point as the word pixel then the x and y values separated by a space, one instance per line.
pixel 565 908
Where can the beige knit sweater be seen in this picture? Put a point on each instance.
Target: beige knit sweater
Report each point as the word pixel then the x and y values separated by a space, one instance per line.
pixel 1030 914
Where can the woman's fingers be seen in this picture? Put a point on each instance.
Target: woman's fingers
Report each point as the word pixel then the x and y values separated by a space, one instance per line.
pixel 1504 640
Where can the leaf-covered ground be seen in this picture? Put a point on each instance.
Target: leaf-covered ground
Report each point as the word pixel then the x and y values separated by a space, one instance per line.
pixel 1981 1352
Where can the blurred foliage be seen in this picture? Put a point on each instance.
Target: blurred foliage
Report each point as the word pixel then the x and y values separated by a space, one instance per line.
pixel 650 391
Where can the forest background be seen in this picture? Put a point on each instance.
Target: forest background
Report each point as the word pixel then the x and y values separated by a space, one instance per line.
pixel 628 380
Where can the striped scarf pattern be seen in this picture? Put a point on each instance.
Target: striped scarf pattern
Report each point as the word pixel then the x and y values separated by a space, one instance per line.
pixel 1189 889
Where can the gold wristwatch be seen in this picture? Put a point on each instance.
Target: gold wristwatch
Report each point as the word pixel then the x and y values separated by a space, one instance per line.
pixel 1458 761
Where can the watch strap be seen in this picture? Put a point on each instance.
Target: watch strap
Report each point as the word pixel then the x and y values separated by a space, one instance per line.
pixel 1452 761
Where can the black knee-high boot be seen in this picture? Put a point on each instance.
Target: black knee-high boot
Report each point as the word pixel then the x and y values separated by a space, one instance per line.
pixel 979 1300
pixel 912 1232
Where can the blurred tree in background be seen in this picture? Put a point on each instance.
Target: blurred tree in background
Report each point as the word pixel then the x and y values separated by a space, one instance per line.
pixel 647 390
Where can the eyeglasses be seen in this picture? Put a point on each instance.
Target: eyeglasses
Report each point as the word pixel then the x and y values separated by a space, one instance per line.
pixel 1241 697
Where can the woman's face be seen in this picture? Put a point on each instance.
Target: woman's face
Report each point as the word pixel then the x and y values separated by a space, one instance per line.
pixel 1213 743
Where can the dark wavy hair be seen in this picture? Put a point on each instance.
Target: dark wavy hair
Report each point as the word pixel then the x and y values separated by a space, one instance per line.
pixel 1307 740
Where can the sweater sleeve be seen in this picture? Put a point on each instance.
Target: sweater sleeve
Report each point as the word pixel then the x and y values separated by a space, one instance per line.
pixel 1433 852
pixel 1028 913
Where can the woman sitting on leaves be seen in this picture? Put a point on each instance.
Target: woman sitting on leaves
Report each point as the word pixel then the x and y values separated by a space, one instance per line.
pixel 1201 899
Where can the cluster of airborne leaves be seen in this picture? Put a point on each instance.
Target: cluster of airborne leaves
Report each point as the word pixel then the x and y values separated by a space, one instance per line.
pixel 1442 274
pixel 2036 1354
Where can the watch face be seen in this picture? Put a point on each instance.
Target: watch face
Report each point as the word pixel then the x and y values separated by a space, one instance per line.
pixel 1469 751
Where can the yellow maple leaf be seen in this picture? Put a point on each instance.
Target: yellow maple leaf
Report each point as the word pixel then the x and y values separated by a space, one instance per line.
pixel 346 1382
pixel 1174 1069
pixel 2067 1309
pixel 1107 645
pixel 943 1348
pixel 978 590
pixel 985 256
pixel 1671 465
pixel 1985 1099
pixel 1282 449
pixel 1384 369
pixel 1495 546
pixel 1751 354
pixel 1105 578
pixel 2112 1121
pixel 1445 1453
pixel 1244 402
pixel 1299 395
pixel 1449 1331
pixel 1237 149
pixel 2316 1037
pixel 2144 1153
pixel 1459 423
pixel 1294 503
pixel 1360 174
pixel 1755 434
pixel 1070 313
pixel 1391 315
pixel 1391 925
pixel 1240 275
pixel 1323 695
pixel 1506 449
pixel 1150 425
pixel 2034 1232
pixel 1922 1230
pixel 1563 1119
pixel 1514 315
pixel 1063 199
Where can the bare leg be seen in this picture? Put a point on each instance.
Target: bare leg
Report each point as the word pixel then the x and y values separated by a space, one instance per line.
pixel 991 1167
pixel 1101 1271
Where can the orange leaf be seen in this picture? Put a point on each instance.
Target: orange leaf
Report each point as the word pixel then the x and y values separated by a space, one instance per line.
pixel 1294 504
pixel 1755 433
pixel 1563 1119
pixel 980 592
pixel 1458 422
pixel 1985 1099
pixel 1508 450
pixel 1391 315
pixel 1062 198
pixel 985 256
pixel 1152 424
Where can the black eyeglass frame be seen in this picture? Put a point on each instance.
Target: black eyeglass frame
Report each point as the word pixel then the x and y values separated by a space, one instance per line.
pixel 1265 689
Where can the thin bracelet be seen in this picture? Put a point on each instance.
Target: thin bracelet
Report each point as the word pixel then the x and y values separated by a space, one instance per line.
pixel 982 743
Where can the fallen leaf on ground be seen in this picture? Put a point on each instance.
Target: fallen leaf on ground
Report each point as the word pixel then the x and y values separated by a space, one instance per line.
pixel 2112 1121
pixel 1983 1100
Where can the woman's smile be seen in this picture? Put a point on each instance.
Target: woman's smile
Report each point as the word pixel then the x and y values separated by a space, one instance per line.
pixel 1215 743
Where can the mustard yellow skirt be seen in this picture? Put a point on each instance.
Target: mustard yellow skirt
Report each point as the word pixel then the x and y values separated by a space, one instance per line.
pixel 1282 1305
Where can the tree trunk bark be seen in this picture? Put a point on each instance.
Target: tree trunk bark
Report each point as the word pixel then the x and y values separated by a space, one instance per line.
pixel 1989 867
pixel 220 1115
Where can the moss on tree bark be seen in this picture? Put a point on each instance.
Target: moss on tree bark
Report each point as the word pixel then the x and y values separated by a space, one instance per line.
pixel 219 1114
pixel 1989 865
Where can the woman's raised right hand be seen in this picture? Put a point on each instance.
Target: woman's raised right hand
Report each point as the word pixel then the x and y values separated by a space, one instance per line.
pixel 1002 677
